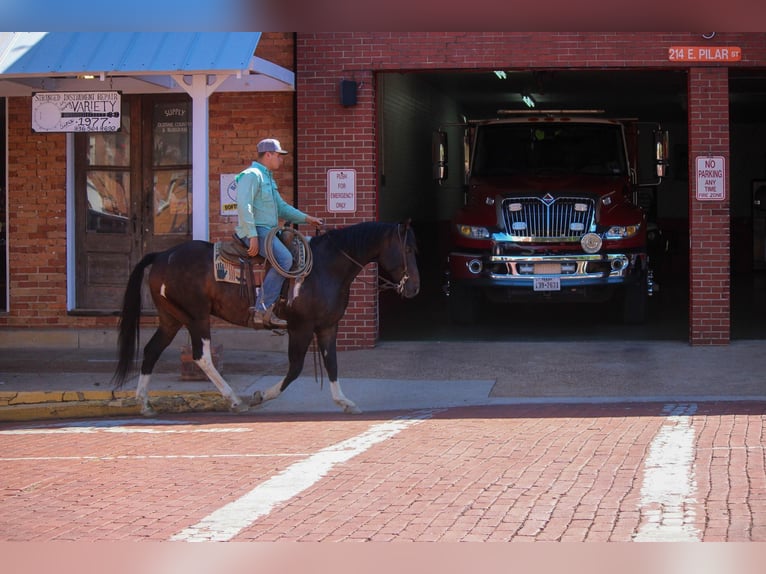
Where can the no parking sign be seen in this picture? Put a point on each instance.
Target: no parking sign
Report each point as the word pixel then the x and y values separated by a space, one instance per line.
pixel 711 173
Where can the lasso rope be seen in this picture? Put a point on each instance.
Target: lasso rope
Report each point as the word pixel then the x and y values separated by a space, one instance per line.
pixel 303 259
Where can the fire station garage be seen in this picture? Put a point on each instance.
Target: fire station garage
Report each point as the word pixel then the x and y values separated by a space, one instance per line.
pixel 704 235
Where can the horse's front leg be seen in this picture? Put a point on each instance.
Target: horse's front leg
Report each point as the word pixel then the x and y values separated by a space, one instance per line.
pixel 205 362
pixel 327 346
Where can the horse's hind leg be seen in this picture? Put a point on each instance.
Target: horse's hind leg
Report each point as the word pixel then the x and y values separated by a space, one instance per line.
pixel 203 357
pixel 162 337
pixel 296 353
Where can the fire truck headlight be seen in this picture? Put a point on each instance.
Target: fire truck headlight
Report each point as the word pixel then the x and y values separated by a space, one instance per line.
pixel 621 231
pixel 590 243
pixel 472 232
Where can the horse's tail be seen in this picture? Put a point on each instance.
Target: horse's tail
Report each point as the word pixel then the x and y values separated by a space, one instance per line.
pixel 127 339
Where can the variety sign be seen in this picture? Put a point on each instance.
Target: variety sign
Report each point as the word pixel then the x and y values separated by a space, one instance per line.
pixel 76 111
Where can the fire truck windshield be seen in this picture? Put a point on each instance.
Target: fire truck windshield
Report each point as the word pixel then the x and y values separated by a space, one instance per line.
pixel 551 148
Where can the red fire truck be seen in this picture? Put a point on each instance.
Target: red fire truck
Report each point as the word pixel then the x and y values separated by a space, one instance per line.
pixel 551 213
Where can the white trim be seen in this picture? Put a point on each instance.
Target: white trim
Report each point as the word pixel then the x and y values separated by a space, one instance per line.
pixel 71 259
pixel 7 294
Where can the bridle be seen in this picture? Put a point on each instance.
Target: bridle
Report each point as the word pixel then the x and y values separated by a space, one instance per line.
pixel 383 283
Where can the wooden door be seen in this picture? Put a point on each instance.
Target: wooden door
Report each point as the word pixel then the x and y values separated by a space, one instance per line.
pixel 131 196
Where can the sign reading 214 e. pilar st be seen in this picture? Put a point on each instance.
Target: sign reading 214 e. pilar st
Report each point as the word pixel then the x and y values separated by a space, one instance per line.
pixel 97 111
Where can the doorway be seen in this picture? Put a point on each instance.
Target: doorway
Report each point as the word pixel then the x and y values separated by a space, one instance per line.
pixel 132 195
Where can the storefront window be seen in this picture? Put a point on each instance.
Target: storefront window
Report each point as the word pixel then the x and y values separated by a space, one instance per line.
pixel 171 136
pixel 108 186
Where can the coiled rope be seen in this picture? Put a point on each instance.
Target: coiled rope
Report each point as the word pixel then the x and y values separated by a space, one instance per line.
pixel 303 259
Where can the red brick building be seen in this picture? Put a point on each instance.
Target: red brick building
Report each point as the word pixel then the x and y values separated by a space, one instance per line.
pixel 404 85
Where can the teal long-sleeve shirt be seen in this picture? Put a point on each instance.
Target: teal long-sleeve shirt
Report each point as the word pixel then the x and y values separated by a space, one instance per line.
pixel 259 202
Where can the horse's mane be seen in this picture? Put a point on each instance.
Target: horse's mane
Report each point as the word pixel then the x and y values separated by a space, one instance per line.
pixel 354 238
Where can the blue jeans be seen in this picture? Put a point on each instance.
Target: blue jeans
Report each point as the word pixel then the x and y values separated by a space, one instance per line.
pixel 272 283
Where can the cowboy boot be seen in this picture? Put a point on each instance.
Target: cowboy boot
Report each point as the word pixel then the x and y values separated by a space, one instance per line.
pixel 267 318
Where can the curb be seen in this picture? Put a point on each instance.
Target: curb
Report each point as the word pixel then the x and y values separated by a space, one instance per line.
pixel 53 405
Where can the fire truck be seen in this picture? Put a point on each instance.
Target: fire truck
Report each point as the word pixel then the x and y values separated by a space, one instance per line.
pixel 551 213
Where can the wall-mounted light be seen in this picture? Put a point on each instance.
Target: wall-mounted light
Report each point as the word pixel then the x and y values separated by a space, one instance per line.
pixel 501 75
pixel 348 92
pixel 528 100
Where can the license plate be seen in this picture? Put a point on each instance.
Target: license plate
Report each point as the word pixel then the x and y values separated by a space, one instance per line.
pixel 547 268
pixel 547 284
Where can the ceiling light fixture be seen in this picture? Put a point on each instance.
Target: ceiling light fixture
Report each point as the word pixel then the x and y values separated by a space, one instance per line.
pixel 501 75
pixel 528 100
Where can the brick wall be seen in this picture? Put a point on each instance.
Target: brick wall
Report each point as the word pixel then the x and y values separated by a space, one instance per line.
pixel 331 136
pixel 709 222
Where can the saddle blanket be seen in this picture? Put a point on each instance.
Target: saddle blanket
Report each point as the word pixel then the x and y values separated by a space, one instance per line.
pixel 232 271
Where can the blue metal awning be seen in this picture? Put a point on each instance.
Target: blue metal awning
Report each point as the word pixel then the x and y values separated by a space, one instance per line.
pixel 134 62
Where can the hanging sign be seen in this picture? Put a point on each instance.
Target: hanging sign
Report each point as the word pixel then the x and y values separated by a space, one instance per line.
pixel 711 173
pixel 76 111
pixel 704 54
pixel 341 190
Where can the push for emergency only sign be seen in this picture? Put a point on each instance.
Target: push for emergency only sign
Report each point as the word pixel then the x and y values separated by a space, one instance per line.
pixel 341 190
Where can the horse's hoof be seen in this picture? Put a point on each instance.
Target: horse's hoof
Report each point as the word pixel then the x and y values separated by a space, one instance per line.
pixel 239 407
pixel 257 399
pixel 148 412
pixel 352 410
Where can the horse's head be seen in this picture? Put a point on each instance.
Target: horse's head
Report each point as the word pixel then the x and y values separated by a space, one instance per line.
pixel 397 259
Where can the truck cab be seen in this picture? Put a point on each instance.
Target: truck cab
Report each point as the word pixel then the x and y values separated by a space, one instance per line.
pixel 551 215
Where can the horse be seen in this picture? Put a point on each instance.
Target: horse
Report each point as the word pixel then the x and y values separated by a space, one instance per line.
pixel 186 294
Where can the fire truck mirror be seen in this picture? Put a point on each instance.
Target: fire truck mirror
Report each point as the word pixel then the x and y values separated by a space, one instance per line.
pixel 439 155
pixel 661 140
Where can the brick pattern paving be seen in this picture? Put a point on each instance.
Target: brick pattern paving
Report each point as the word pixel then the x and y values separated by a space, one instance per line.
pixel 502 473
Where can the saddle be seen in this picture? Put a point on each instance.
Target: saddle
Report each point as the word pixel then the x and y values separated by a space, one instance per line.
pixel 232 264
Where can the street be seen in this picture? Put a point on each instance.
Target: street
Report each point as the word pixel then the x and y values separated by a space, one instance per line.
pixel 676 472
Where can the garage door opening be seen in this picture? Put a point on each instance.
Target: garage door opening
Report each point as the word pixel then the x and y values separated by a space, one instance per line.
pixel 413 105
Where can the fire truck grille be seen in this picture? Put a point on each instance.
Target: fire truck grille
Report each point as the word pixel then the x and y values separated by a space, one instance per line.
pixel 548 217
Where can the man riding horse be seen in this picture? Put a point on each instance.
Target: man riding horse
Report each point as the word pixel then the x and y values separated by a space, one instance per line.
pixel 259 208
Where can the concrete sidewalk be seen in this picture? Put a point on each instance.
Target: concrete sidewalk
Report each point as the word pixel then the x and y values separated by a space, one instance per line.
pixel 45 382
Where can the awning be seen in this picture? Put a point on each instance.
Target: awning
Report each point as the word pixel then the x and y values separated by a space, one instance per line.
pixel 135 62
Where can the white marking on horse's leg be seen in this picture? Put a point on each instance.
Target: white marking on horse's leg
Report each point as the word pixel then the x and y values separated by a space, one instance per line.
pixel 206 364
pixel 272 392
pixel 341 400
pixel 162 291
pixel 142 395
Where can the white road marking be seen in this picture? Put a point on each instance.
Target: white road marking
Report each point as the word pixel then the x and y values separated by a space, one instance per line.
pixel 155 456
pixel 226 522
pixel 123 430
pixel 669 486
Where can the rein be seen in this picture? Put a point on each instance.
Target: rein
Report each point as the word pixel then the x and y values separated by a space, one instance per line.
pixel 383 283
